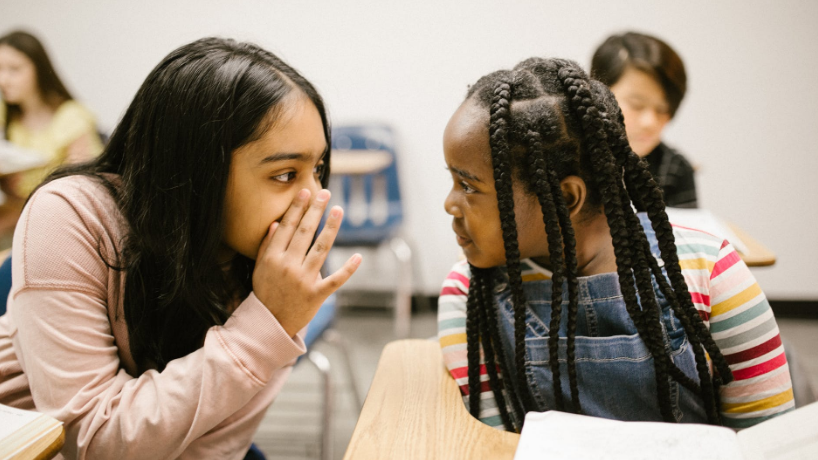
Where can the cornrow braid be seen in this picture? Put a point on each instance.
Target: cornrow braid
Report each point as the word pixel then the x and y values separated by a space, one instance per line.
pixel 498 138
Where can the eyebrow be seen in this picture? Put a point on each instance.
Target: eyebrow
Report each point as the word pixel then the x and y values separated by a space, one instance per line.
pixel 465 174
pixel 284 157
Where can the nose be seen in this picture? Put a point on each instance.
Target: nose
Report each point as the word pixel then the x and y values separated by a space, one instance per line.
pixel 451 206
pixel 313 185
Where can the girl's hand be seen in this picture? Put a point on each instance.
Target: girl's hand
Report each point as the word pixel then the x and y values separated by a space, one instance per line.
pixel 287 278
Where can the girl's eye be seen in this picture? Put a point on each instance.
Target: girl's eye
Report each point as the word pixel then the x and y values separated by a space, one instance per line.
pixel 319 169
pixel 285 178
pixel 466 187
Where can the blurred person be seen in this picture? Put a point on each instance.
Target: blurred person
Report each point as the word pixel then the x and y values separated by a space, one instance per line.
pixel 38 114
pixel 648 79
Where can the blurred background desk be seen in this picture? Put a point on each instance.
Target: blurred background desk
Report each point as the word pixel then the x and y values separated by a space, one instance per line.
pixel 414 410
pixel 759 255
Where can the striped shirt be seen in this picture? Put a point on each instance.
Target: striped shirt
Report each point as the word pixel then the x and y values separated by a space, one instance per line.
pixel 728 299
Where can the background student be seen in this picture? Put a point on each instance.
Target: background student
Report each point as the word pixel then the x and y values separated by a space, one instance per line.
pixel 649 81
pixel 158 291
pixel 568 299
pixel 39 114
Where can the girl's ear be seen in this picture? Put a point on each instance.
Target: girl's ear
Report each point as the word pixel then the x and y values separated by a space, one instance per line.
pixel 574 192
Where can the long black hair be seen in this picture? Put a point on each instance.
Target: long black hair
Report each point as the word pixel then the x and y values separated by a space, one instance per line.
pixel 51 88
pixel 171 155
pixel 548 120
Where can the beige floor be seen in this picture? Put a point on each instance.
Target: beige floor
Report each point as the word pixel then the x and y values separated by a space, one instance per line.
pixel 291 428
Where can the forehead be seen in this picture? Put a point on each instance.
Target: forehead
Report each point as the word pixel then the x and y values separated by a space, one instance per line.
pixel 11 54
pixel 294 126
pixel 638 82
pixel 466 137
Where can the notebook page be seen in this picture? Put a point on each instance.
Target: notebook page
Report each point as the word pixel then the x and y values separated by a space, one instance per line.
pixel 562 436
pixel 792 436
pixel 12 419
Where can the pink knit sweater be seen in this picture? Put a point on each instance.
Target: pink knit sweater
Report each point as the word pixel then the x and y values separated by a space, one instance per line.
pixel 64 346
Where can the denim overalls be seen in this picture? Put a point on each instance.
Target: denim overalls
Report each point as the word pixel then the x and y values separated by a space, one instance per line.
pixel 615 372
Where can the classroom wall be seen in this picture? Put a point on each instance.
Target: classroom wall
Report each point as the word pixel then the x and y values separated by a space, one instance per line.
pixel 748 123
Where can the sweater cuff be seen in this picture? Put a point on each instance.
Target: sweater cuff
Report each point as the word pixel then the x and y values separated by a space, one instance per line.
pixel 257 341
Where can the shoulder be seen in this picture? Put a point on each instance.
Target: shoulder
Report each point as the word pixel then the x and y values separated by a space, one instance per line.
pixel 69 228
pixel 675 157
pixel 457 281
pixel 73 110
pixel 693 241
pixel 72 119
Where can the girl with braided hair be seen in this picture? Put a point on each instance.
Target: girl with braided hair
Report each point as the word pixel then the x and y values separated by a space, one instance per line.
pixel 576 293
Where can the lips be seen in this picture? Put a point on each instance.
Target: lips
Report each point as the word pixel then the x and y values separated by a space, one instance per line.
pixel 461 240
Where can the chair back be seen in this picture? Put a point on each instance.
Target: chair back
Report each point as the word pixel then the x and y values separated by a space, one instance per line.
pixel 365 182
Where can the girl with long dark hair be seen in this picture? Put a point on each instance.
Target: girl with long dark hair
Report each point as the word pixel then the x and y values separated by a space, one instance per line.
pixel 160 292
pixel 576 293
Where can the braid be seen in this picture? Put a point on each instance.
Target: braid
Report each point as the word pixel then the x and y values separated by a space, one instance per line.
pixel 605 172
pixel 490 330
pixel 473 340
pixel 683 305
pixel 498 135
pixel 649 197
pixel 556 231
pixel 570 246
pixel 565 124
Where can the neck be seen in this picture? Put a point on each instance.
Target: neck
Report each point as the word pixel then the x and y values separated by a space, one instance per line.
pixel 35 112
pixel 595 252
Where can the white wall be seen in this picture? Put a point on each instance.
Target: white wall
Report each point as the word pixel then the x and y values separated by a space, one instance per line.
pixel 749 120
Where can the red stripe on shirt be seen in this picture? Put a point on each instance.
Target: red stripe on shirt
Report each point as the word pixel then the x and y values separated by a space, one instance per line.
pixel 698 297
pixel 760 369
pixel 461 372
pixel 459 277
pixel 484 388
pixel 724 263
pixel 755 352
pixel 451 290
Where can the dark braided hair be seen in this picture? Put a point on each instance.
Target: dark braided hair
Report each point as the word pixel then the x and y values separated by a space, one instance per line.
pixel 548 120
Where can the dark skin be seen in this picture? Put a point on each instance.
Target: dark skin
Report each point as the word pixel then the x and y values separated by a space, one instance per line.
pixel 472 203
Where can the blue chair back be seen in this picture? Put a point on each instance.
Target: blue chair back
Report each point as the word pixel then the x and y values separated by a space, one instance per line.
pixel 372 202
pixel 5 284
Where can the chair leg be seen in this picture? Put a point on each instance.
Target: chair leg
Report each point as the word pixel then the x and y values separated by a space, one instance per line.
pixel 332 336
pixel 403 294
pixel 320 361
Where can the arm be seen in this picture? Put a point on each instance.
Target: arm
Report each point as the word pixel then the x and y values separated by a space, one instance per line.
pixel 452 335
pixel 743 326
pixel 65 340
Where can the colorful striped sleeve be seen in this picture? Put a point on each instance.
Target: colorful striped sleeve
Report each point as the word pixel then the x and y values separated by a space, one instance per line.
pixel 452 335
pixel 742 325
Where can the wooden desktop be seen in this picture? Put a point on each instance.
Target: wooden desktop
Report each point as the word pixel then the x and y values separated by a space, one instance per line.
pixel 414 410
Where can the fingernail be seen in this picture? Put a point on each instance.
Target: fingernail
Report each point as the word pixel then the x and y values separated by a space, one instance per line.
pixel 322 196
pixel 335 212
pixel 303 194
pixel 356 259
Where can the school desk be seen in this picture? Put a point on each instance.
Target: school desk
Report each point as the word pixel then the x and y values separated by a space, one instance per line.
pixel 759 255
pixel 414 410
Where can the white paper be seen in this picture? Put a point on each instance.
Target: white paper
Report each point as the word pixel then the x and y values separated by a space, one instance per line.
pixel 12 419
pixel 792 436
pixel 561 436
pixel 14 159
